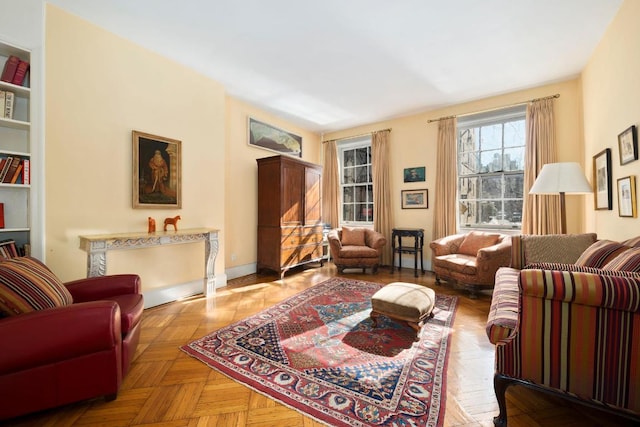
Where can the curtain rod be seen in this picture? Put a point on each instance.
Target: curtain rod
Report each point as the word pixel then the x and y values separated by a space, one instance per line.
pixel 557 95
pixel 356 136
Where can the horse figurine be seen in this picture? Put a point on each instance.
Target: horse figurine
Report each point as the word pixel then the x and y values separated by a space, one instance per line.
pixel 152 225
pixel 172 221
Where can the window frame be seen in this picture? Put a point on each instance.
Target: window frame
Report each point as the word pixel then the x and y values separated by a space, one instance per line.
pixel 516 113
pixel 348 145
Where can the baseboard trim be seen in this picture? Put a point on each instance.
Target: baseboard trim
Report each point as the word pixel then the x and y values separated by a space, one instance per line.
pixel 159 296
pixel 241 270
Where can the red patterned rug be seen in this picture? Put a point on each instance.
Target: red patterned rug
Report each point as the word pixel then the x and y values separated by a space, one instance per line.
pixel 317 352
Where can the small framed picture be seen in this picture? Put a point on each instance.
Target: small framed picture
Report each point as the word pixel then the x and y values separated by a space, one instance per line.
pixel 628 145
pixel 602 186
pixel 415 199
pixel 414 174
pixel 157 172
pixel 627 196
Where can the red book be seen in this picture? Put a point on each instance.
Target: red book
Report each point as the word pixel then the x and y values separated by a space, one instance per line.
pixel 1 215
pixel 20 74
pixel 10 68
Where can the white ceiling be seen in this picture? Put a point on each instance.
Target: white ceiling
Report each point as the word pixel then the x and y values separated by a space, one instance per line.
pixel 333 64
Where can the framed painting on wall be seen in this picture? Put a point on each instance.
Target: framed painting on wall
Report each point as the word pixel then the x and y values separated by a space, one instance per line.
pixel 628 145
pixel 602 180
pixel 157 171
pixel 273 139
pixel 415 199
pixel 415 174
pixel 627 196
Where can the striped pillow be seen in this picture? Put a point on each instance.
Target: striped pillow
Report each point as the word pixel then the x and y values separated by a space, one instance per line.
pixel 628 260
pixel 600 253
pixel 28 285
pixel 633 242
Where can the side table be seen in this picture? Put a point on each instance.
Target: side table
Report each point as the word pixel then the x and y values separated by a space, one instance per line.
pixel 418 243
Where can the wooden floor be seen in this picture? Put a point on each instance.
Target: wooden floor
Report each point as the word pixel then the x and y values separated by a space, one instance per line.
pixel 165 387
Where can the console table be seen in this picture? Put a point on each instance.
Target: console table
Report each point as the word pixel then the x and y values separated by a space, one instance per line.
pixel 418 243
pixel 97 246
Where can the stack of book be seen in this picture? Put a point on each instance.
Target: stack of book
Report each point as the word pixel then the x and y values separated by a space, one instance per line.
pixel 15 170
pixel 15 71
pixel 8 249
pixel 7 99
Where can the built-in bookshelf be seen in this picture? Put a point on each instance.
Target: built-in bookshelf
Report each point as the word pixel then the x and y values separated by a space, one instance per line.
pixel 15 150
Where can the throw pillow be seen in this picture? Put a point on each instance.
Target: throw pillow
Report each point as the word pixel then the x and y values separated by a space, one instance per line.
pixel 352 236
pixel 633 242
pixel 628 260
pixel 28 285
pixel 600 253
pixel 475 240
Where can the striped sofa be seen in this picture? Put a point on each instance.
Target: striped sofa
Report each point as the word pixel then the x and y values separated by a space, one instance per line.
pixel 570 328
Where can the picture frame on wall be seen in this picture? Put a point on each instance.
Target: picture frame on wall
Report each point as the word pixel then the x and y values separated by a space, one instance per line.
pixel 416 174
pixel 415 199
pixel 157 171
pixel 267 137
pixel 602 186
pixel 628 145
pixel 627 197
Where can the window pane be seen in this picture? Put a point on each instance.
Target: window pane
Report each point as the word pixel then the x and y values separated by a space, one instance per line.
pixel 491 161
pixel 349 158
pixel 348 213
pixel 347 194
pixel 490 211
pixel 468 210
pixel 361 212
pixel 491 137
pixel 514 133
pixel 469 163
pixel 361 174
pixel 513 186
pixel 362 156
pixel 361 193
pixel 468 140
pixel 468 188
pixel 370 194
pixel 491 187
pixel 349 177
pixel 514 159
pixel 513 211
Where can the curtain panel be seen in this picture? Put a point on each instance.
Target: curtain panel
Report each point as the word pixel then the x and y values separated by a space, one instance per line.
pixel 445 209
pixel 382 206
pixel 330 185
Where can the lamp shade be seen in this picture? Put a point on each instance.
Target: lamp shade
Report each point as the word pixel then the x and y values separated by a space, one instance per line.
pixel 565 177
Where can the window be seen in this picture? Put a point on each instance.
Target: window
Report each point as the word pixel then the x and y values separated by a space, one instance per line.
pixel 356 181
pixel 491 149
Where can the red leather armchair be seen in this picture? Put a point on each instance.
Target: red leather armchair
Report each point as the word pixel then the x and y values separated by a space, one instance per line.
pixel 60 355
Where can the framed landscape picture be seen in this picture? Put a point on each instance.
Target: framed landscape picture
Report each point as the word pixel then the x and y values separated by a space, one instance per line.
pixel 157 171
pixel 273 139
pixel 628 145
pixel 415 199
pixel 414 174
pixel 602 180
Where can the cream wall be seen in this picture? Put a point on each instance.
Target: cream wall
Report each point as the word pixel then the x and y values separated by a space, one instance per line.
pixel 611 88
pixel 413 143
pixel 241 177
pixel 99 88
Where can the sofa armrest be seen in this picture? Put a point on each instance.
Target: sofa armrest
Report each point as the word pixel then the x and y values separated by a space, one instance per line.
pixel 48 336
pixel 334 241
pixel 491 258
pixel 446 245
pixel 374 239
pixel 103 287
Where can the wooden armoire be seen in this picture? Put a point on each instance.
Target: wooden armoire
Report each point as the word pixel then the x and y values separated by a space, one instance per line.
pixel 289 213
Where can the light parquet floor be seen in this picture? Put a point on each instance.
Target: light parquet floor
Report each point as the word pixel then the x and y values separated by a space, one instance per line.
pixel 167 388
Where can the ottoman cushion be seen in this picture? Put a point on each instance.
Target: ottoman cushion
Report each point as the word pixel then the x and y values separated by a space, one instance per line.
pixel 404 300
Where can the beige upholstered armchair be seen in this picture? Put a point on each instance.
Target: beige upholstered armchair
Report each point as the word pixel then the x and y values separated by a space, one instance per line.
pixel 470 259
pixel 356 248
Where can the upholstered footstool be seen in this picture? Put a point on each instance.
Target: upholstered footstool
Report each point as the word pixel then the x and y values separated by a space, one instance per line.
pixel 405 302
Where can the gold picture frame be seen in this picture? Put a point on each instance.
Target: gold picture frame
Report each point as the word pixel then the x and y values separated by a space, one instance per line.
pixel 627 197
pixel 157 172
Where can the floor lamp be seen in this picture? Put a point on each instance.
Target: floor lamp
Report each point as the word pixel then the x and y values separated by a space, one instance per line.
pixel 561 178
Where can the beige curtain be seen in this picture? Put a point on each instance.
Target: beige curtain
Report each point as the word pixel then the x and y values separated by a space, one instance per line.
pixel 541 213
pixel 330 185
pixel 445 209
pixel 382 201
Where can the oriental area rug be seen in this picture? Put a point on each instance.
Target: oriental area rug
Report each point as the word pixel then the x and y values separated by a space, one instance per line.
pixel 318 353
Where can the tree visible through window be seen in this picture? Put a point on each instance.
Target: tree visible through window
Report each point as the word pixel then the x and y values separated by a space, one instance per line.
pixel 491 169
pixel 356 181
